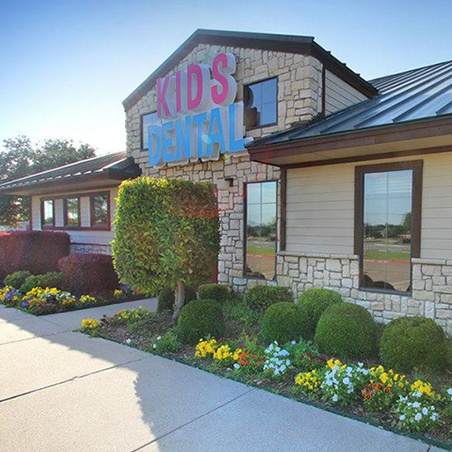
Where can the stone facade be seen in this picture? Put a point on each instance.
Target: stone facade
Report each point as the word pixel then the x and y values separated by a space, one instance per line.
pixel 88 248
pixel 431 281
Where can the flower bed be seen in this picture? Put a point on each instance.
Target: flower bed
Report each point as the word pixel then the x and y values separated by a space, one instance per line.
pixel 366 390
pixel 42 301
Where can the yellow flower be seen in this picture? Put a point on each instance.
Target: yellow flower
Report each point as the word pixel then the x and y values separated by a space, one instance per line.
pixel 90 324
pixel 384 377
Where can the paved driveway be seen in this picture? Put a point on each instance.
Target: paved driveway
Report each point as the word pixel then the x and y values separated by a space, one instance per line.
pixel 63 391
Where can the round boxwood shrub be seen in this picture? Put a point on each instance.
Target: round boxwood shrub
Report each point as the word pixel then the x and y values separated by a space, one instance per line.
pixel 165 300
pixel 199 319
pixel 281 322
pixel 413 342
pixel 259 298
pixel 346 330
pixel 312 304
pixel 213 292
pixel 16 279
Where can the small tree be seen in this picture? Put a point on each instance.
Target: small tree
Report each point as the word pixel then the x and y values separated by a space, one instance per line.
pixel 166 234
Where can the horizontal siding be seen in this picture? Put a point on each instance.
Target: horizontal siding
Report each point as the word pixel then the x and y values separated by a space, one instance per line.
pixel 78 236
pixel 436 235
pixel 320 210
pixel 339 95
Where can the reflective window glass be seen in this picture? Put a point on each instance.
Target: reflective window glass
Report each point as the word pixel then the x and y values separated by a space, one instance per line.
pixel 72 212
pixel 48 213
pixel 261 103
pixel 261 213
pixel 99 210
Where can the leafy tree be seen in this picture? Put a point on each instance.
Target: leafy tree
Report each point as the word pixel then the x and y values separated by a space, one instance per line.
pixel 166 235
pixel 20 158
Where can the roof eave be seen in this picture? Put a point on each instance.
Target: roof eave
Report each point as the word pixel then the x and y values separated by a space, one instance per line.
pixel 265 41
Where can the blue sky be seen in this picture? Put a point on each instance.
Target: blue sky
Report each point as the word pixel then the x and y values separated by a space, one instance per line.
pixel 67 65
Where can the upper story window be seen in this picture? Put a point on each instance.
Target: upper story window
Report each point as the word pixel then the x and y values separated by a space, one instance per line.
pixel 72 212
pixel 388 224
pixel 100 210
pixel 261 103
pixel 261 210
pixel 48 213
pixel 146 121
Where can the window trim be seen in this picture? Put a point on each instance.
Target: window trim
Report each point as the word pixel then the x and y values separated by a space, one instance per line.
pixel 93 225
pixel 141 129
pixel 245 235
pixel 65 213
pixel 43 224
pixel 245 86
pixel 416 208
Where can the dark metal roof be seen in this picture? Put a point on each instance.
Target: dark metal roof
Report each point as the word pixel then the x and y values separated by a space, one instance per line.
pixel 418 94
pixel 304 45
pixel 113 166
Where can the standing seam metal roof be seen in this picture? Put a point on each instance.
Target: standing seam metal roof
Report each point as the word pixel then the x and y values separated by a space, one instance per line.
pixel 413 95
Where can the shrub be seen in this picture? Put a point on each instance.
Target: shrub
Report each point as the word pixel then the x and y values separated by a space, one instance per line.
pixel 213 292
pixel 35 251
pixel 16 279
pixel 88 273
pixel 413 342
pixel 260 298
pixel 165 300
pixel 168 343
pixel 346 330
pixel 201 318
pixel 51 280
pixel 166 232
pixel 281 323
pixel 312 304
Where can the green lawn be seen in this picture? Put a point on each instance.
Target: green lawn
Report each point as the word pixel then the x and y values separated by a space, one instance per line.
pixel 387 255
pixel 260 250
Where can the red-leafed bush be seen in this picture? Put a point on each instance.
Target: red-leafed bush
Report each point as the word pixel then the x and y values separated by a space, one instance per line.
pixel 35 251
pixel 88 273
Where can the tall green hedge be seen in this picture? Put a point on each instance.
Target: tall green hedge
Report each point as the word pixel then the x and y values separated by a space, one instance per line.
pixel 166 233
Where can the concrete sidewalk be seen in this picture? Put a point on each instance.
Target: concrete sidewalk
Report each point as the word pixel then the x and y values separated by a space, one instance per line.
pixel 63 391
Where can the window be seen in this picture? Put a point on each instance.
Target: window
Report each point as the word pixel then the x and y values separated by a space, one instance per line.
pixel 100 211
pixel 48 213
pixel 388 203
pixel 146 121
pixel 261 211
pixel 261 103
pixel 72 212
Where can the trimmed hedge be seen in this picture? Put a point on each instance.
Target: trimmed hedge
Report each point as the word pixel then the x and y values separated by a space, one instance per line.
pixel 199 319
pixel 16 279
pixel 312 304
pixel 213 292
pixel 259 298
pixel 281 322
pixel 413 342
pixel 346 330
pixel 51 279
pixel 88 273
pixel 35 251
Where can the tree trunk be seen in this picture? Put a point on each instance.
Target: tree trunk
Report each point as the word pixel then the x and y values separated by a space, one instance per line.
pixel 179 299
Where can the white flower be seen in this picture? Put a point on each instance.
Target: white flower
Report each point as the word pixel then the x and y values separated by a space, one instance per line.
pixel 346 380
pixel 402 417
pixel 335 398
pixel 416 405
pixel 159 337
pixel 293 342
pixel 128 341
pixel 418 417
pixel 434 417
pixel 236 366
pixel 154 346
pixel 424 411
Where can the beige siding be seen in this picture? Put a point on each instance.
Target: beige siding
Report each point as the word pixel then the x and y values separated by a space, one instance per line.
pixel 320 208
pixel 339 95
pixel 78 236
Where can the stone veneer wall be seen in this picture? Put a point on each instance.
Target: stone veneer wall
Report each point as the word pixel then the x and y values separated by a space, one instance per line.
pixel 431 281
pixel 299 89
pixel 230 203
pixel 87 248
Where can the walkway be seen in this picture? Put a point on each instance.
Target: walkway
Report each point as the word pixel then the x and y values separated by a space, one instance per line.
pixel 63 391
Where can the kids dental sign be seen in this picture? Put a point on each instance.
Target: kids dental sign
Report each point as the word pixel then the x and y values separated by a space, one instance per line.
pixel 196 115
